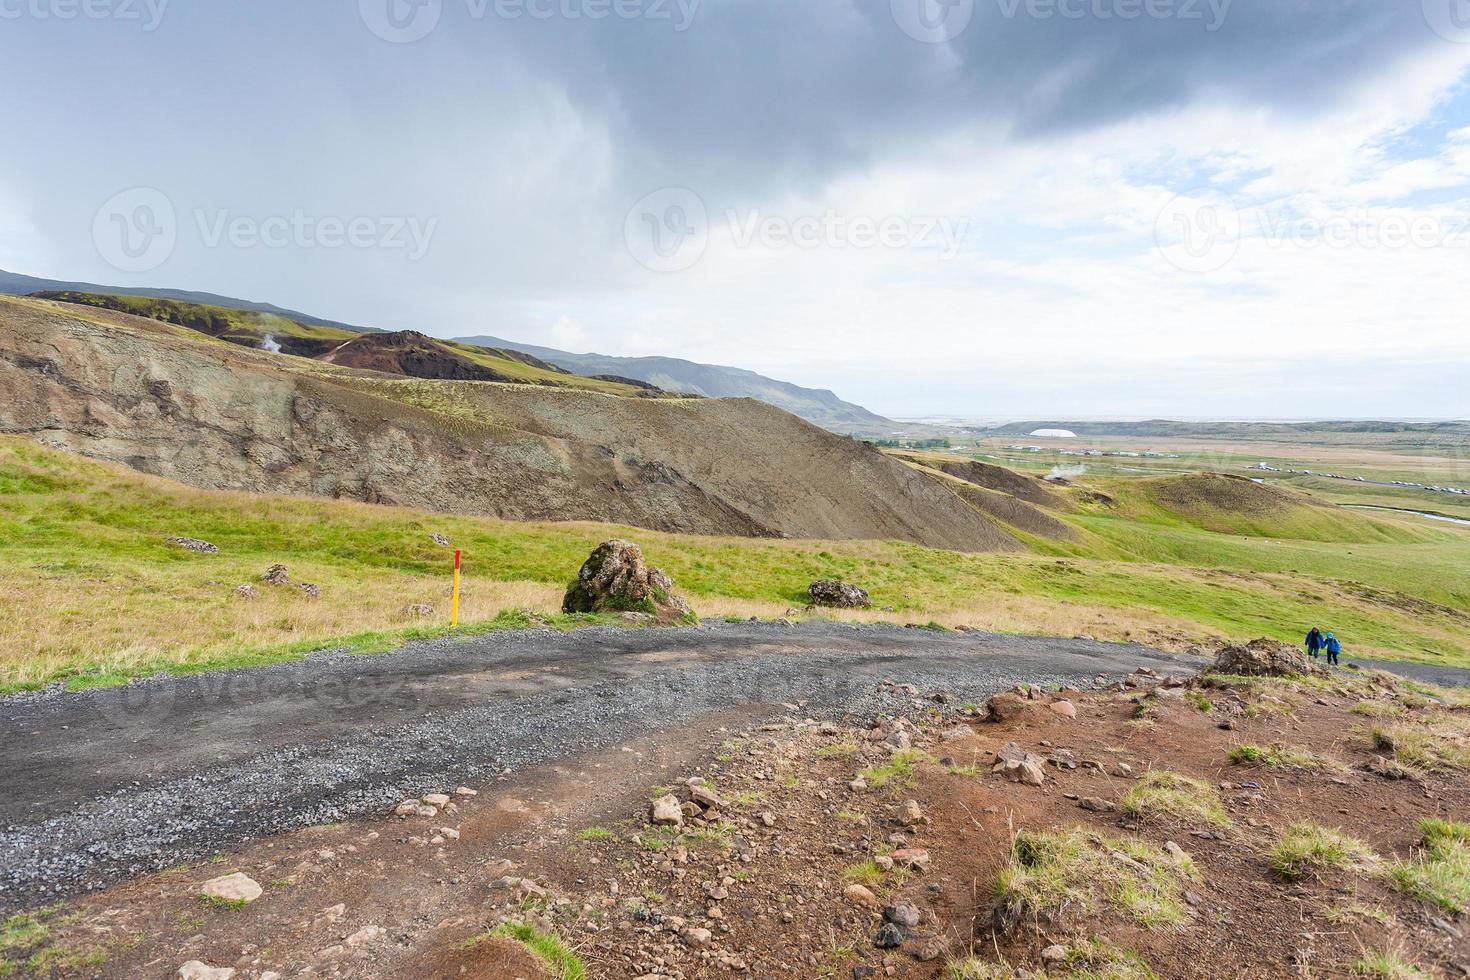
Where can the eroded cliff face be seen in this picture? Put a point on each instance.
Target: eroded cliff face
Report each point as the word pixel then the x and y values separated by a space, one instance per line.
pixel 202 412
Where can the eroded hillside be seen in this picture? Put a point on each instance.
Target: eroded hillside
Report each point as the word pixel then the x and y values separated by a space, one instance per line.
pixel 169 401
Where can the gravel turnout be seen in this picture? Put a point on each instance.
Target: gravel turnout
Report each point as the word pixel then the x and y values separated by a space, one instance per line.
pixel 100 786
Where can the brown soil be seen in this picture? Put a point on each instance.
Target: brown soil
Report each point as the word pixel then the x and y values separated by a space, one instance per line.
pixel 766 876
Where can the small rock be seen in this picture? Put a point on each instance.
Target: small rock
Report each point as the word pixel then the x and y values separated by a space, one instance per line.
pixel 667 811
pixel 858 895
pixel 440 540
pixel 311 591
pixel 1095 804
pixel 363 936
pixel 232 888
pixel 418 610
pixel 194 545
pixel 195 970
pixel 705 796
pixel 904 914
pixel 1056 953
pixel 436 799
pixel 276 575
pixel 466 791
pixel 246 591
pixel 697 937
pixel 910 813
pixel 911 857
pixel 889 936
pixel 1031 774
pixel 1064 708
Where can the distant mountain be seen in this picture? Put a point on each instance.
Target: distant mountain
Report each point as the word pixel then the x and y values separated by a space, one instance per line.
pixel 819 407
pixel 14 284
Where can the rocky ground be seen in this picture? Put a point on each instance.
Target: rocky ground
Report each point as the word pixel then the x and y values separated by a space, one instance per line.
pixel 1156 826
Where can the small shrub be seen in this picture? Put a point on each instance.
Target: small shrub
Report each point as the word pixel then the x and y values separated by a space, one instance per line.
pixel 1074 867
pixel 1282 757
pixel 560 959
pixel 1307 849
pixel 865 873
pixel 1198 699
pixel 1161 792
pixel 897 772
pixel 1388 966
pixel 1440 874
pixel 593 834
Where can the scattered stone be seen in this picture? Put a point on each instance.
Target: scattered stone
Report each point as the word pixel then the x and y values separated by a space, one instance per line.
pixel 697 937
pixel 363 936
pixel 312 591
pixel 1064 708
pixel 246 591
pixel 638 618
pixel 903 914
pixel 666 811
pixel 1096 805
pixel 466 791
pixel 195 545
pixel 838 595
pixel 440 540
pixel 889 936
pixel 1056 953
pixel 899 740
pixel 232 888
pixel 910 813
pixel 436 799
pixel 616 579
pixel 858 895
pixel 276 575
pixel 195 970
pixel 956 732
pixel 916 858
pixel 705 796
pixel 1031 774
pixel 419 610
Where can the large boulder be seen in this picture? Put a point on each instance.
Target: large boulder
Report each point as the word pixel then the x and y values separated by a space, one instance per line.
pixel 617 579
pixel 838 595
pixel 1266 658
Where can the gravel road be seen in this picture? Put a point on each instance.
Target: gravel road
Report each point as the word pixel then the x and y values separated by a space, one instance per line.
pixel 103 785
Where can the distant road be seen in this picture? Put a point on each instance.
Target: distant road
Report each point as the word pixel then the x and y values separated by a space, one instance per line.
pixel 102 785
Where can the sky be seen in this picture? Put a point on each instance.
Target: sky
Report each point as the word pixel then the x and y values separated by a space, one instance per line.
pixel 1242 208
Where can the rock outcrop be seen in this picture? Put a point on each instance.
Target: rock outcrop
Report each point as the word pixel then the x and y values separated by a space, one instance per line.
pixel 838 595
pixel 617 579
pixel 1266 658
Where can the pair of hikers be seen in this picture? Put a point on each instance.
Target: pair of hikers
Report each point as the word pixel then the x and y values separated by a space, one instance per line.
pixel 1328 643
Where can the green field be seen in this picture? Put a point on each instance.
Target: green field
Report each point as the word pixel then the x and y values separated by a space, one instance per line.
pixel 95 594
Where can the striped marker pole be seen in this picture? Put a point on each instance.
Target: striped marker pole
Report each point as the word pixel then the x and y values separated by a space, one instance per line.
pixel 454 606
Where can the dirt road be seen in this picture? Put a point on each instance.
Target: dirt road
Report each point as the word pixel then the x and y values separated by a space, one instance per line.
pixel 100 786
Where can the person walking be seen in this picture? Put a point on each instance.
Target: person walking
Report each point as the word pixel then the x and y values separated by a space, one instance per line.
pixel 1333 647
pixel 1315 642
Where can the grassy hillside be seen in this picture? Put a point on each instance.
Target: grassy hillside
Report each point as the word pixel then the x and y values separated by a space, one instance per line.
pixel 95 594
pixel 260 330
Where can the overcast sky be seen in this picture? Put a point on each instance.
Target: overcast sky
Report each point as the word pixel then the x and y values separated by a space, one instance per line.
pixel 989 207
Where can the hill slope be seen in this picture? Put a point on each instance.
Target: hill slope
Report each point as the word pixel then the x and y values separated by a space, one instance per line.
pixel 174 403
pixel 15 284
pixel 714 381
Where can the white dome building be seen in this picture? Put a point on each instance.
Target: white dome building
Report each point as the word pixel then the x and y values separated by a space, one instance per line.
pixel 1053 434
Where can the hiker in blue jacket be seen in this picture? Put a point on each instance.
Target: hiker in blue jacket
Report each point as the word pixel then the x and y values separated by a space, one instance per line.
pixel 1314 642
pixel 1333 647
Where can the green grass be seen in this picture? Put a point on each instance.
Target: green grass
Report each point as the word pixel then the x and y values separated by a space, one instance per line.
pixel 1427 746
pixel 1075 868
pixel 1308 849
pixel 1388 966
pixel 864 873
pixel 98 597
pixel 560 959
pixel 896 773
pixel 1163 793
pixel 595 834
pixel 1282 757
pixel 1440 873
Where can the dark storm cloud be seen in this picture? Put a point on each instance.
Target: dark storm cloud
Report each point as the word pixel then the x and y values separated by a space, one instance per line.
pixel 791 91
